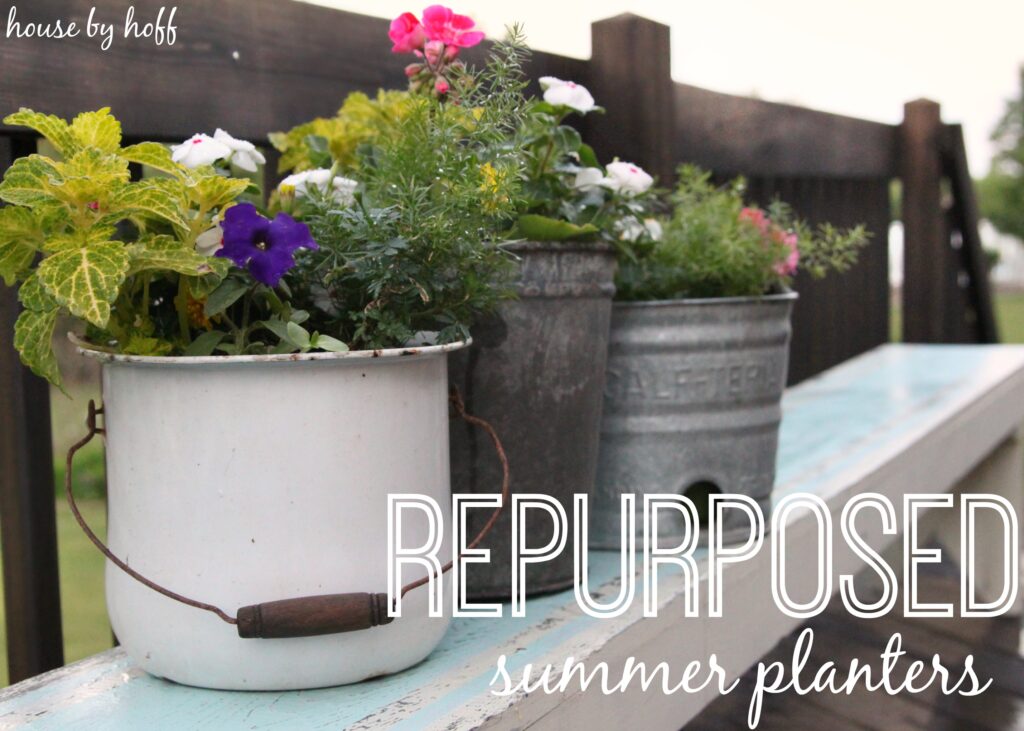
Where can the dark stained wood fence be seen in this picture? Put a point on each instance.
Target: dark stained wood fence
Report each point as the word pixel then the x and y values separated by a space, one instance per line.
pixel 255 66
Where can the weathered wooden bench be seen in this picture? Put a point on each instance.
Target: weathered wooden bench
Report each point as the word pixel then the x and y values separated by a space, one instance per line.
pixel 898 419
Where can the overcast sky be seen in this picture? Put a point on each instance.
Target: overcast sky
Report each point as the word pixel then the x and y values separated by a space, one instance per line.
pixel 864 58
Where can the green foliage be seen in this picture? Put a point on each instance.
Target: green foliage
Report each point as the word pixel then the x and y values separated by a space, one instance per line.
pixel 82 238
pixel 714 246
pixel 1001 192
pixel 360 121
pixel 439 187
pixel 554 206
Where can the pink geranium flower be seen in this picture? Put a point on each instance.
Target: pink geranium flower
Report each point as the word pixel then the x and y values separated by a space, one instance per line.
pixel 407 34
pixel 452 29
pixel 788 266
pixel 756 217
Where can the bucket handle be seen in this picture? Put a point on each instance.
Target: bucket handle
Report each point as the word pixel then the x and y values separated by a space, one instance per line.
pixel 302 616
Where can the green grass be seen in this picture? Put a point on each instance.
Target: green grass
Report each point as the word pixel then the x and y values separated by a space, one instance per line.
pixel 1009 318
pixel 83 608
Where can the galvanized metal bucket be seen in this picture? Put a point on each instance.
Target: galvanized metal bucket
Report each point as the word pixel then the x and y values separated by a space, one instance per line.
pixel 536 372
pixel 692 406
pixel 246 478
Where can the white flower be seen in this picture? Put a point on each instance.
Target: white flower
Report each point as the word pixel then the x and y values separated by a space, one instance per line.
pixel 654 229
pixel 566 93
pixel 627 178
pixel 243 154
pixel 588 179
pixel 210 242
pixel 343 189
pixel 199 149
pixel 631 229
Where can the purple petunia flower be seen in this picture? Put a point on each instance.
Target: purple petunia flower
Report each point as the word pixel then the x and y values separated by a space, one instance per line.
pixel 265 247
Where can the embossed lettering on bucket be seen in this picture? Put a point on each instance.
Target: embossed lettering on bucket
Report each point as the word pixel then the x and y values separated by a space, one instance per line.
pixel 536 372
pixel 692 403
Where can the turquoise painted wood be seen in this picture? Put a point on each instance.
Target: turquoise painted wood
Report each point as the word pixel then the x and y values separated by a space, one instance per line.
pixel 835 428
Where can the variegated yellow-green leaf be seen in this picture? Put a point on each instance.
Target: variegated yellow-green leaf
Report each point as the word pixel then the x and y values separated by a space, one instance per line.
pixel 33 339
pixel 34 296
pixel 86 280
pixel 29 181
pixel 90 178
pixel 78 237
pixel 154 155
pixel 15 260
pixel 53 128
pixel 20 224
pixel 97 164
pixel 97 129
pixel 215 191
pixel 161 198
pixel 142 345
pixel 168 254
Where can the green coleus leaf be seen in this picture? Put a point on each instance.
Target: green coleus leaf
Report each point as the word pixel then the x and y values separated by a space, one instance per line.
pixel 168 254
pixel 29 181
pixel 160 198
pixel 143 345
pixel 215 191
pixel 33 339
pixel 53 128
pixel 15 260
pixel 34 296
pixel 86 280
pixel 20 238
pixel 152 154
pixel 542 228
pixel 97 129
pixel 78 237
pixel 90 178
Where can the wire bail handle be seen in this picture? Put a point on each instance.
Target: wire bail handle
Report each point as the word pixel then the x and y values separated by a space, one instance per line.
pixel 302 616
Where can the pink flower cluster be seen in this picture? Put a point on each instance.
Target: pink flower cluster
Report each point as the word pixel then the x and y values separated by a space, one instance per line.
pixel 437 40
pixel 757 218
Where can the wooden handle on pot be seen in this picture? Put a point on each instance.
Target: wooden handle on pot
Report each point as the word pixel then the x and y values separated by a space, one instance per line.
pixel 313 615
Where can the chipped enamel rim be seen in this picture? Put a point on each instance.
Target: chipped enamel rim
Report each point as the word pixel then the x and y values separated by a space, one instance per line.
pixel 89 351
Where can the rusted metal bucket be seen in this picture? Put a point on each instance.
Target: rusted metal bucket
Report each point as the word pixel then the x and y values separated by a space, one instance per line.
pixel 536 372
pixel 692 405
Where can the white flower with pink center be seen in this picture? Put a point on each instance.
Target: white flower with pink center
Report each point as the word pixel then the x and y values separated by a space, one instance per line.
pixel 561 93
pixel 627 178
pixel 199 150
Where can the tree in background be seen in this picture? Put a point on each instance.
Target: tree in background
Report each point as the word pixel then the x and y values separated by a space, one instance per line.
pixel 1001 192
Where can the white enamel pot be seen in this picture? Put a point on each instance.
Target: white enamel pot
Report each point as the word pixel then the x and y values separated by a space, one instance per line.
pixel 242 480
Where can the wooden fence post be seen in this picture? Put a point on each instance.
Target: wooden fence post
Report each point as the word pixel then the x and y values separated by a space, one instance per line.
pixel 926 248
pixel 28 528
pixel 631 75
